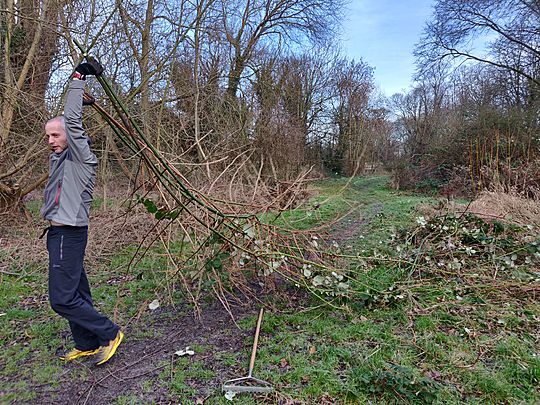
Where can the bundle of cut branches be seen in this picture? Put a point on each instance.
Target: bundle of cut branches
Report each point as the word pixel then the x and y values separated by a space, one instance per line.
pixel 224 246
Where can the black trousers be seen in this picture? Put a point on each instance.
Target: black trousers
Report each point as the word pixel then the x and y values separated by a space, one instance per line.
pixel 69 292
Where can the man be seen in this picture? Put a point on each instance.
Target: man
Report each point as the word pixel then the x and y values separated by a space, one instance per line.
pixel 67 198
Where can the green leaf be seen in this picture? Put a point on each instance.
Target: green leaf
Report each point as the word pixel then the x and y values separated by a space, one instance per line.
pixel 217 264
pixel 224 255
pixel 151 206
pixel 214 239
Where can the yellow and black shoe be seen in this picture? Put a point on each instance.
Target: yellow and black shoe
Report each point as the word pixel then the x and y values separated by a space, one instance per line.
pixel 106 352
pixel 76 353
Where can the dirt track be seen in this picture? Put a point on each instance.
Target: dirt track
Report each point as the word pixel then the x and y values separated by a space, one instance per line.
pixel 143 359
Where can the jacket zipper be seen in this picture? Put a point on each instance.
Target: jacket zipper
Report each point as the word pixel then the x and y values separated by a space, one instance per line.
pixel 57 198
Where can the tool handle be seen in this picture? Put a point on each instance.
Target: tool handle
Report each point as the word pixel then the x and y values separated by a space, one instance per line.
pixel 255 341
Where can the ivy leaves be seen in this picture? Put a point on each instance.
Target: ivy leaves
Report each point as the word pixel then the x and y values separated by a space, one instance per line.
pixel 159 213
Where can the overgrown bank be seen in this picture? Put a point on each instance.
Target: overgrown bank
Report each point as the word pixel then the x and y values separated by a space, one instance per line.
pixel 414 331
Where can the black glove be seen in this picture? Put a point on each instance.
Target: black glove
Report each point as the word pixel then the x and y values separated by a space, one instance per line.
pixel 88 99
pixel 90 67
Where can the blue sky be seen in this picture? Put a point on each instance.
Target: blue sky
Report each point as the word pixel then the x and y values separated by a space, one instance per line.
pixel 383 33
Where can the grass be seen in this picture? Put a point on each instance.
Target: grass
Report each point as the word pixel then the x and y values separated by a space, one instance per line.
pixel 401 340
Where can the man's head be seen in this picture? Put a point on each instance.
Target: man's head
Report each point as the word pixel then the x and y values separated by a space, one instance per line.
pixel 56 134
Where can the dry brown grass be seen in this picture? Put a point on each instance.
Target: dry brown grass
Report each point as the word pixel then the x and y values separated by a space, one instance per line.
pixel 490 205
pixel 21 246
pixel 507 207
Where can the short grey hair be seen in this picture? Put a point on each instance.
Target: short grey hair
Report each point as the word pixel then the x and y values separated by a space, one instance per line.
pixel 59 118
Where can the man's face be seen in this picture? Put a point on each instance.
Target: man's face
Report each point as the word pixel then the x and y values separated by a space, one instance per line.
pixel 56 136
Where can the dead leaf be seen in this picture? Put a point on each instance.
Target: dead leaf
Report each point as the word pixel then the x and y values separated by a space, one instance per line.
pixel 470 333
pixel 290 401
pixel 435 375
pixel 283 363
pixel 312 350
pixel 184 352
pixel 362 318
pixel 153 305
pixel 229 395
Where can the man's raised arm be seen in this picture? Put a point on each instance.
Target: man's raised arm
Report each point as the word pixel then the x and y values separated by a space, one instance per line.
pixel 76 137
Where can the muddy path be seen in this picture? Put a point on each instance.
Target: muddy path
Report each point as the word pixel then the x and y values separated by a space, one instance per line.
pixel 350 226
pixel 142 366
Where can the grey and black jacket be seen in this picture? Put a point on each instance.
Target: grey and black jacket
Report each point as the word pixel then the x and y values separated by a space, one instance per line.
pixel 72 172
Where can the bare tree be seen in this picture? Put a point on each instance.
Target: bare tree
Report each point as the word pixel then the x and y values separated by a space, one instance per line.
pixel 28 43
pixel 510 25
pixel 308 89
pixel 353 86
pixel 250 25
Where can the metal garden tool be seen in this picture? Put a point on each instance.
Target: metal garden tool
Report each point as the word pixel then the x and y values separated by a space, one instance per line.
pixel 249 383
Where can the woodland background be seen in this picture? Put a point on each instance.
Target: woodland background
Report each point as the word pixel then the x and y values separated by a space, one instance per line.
pixel 250 94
